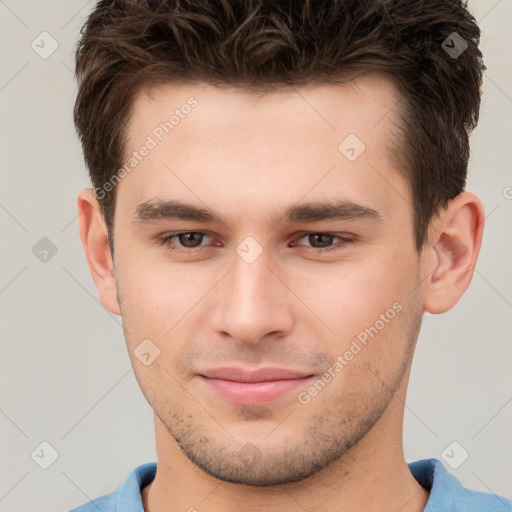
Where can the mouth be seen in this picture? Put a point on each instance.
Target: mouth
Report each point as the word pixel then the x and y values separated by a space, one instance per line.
pixel 253 387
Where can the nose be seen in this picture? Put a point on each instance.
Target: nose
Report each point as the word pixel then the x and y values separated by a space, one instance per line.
pixel 253 301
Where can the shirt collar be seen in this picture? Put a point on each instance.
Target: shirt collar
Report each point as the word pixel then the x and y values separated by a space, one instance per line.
pixel 446 492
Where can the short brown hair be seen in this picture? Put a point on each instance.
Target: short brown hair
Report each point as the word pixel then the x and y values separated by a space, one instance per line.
pixel 126 46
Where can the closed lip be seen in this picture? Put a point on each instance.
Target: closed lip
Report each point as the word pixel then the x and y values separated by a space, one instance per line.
pixel 238 374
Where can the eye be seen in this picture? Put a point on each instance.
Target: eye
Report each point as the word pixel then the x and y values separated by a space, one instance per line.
pixel 186 240
pixel 321 241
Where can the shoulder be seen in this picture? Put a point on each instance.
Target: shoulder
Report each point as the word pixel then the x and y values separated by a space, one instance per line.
pixel 448 494
pixel 487 502
pixel 128 497
pixel 105 503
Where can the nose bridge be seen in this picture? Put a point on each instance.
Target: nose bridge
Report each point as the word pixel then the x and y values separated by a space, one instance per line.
pixel 253 301
pixel 251 277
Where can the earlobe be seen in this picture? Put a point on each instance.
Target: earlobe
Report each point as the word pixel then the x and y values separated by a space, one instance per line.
pixel 456 237
pixel 94 237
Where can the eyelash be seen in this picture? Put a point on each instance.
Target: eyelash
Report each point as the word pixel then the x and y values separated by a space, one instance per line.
pixel 166 240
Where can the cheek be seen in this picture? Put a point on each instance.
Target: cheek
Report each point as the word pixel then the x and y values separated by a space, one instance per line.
pixel 355 294
pixel 369 307
pixel 161 302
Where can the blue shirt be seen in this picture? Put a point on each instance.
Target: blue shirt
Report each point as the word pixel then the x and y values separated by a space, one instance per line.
pixel 446 493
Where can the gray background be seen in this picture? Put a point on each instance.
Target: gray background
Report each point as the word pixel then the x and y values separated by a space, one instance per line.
pixel 65 374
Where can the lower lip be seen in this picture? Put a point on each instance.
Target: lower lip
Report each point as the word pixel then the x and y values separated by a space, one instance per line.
pixel 253 393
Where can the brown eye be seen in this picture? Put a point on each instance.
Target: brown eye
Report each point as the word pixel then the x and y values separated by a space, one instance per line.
pixel 186 240
pixel 322 242
pixel 190 240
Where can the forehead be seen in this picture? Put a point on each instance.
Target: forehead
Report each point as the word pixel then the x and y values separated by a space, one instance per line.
pixel 236 147
pixel 359 104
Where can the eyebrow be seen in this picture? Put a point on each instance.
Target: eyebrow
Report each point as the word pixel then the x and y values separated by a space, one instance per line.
pixel 303 213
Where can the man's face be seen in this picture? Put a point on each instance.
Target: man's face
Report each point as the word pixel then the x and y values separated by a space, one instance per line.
pixel 255 290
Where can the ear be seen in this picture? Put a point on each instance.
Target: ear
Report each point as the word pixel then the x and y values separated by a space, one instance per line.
pixel 94 237
pixel 455 237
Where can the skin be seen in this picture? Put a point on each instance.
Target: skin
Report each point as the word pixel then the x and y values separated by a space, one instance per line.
pixel 247 157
